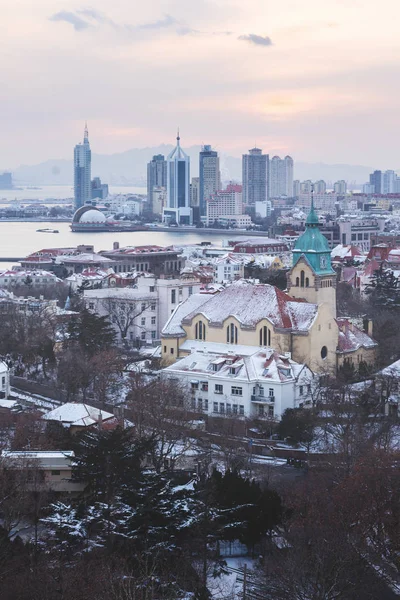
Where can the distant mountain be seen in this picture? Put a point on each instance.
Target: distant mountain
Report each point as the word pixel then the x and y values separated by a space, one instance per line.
pixel 130 167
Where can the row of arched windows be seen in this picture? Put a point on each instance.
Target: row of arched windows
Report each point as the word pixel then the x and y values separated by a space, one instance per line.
pixel 265 336
pixel 302 281
pixel 232 334
pixel 326 283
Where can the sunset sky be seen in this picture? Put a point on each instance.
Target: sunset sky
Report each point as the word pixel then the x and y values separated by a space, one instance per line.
pixel 318 79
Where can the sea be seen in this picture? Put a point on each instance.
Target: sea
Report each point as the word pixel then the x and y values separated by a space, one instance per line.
pixel 57 192
pixel 18 239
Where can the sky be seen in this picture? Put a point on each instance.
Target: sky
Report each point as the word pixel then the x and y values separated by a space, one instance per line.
pixel 317 79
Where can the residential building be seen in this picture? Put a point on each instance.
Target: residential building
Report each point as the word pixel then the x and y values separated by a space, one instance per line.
pixel 139 313
pixel 296 188
pixel 306 187
pixel 11 279
pixel 376 180
pixel 53 469
pixel 302 321
pixel 368 188
pixel 264 209
pixel 389 182
pixel 320 187
pixel 159 201
pixel 158 260
pixel 225 203
pixel 178 187
pixel 99 190
pixel 340 187
pixel 255 174
pixel 228 268
pixel 209 177
pixel 156 178
pixel 241 381
pixel 323 201
pixel 195 198
pixel 78 417
pixel 82 172
pixel 281 177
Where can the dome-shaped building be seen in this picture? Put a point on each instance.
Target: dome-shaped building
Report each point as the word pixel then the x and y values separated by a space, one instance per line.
pixel 89 218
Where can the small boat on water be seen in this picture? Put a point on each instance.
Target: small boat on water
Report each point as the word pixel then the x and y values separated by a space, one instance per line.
pixel 47 230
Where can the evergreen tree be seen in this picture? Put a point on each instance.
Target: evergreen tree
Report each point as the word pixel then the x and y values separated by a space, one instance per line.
pixel 91 332
pixel 383 289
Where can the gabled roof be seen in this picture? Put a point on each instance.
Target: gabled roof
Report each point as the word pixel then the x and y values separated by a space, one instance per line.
pixel 351 338
pixel 249 303
pixel 173 327
pixel 77 414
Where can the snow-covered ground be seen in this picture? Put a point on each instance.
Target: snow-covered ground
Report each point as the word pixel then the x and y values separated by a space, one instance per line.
pixel 230 586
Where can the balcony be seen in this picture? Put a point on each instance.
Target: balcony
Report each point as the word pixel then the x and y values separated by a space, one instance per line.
pixel 265 399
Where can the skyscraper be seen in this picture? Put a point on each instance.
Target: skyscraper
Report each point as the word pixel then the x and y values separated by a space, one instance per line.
pixel 255 172
pixel 209 176
pixel 376 180
pixel 178 187
pixel 82 172
pixel 156 177
pixel 281 177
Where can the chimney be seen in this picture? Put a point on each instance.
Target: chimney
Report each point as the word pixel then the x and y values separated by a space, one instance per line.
pixel 116 246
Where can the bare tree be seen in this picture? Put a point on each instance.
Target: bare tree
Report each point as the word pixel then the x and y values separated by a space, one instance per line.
pixel 125 312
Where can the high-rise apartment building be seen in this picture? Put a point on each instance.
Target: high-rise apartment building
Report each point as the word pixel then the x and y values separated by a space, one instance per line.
pixel 178 187
pixel 82 172
pixel 255 173
pixel 296 188
pixel 376 180
pixel 209 176
pixel 306 186
pixel 156 177
pixel 389 182
pixel 340 187
pixel 281 177
pixel 320 187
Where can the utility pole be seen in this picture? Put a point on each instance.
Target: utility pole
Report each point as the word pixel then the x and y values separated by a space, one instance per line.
pixel 245 581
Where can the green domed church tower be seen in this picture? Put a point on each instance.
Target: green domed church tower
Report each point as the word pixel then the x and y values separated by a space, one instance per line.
pixel 311 276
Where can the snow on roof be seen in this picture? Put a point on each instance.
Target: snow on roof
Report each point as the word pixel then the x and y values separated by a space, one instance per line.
pixel 352 338
pixel 173 326
pixel 345 251
pixel 250 303
pixel 84 258
pixel 77 414
pixel 263 364
pixel 392 370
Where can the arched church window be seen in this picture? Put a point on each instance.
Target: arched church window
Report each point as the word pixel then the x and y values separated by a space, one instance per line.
pixel 265 336
pixel 200 331
pixel 232 334
pixel 307 282
pixel 297 282
pixel 301 278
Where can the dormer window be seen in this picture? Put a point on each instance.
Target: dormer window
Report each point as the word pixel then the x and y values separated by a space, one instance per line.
pixel 200 331
pixel 232 334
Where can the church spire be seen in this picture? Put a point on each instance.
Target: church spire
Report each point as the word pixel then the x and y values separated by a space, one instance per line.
pixel 312 218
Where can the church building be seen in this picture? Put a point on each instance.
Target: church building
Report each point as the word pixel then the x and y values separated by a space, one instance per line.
pixel 300 323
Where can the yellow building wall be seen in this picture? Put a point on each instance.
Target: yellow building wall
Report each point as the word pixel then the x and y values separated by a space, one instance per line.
pixel 317 294
pixel 324 332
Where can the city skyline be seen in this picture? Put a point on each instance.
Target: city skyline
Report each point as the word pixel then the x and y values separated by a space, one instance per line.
pixel 305 81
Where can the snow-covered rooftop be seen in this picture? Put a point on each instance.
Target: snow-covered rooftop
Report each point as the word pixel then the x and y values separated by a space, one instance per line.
pixel 173 326
pixel 77 414
pixel 352 338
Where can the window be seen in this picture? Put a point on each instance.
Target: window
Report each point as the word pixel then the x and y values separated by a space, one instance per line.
pixel 271 393
pixel 91 305
pixel 204 386
pixel 195 385
pixel 153 307
pixel 200 404
pixel 228 409
pixel 265 336
pixel 153 335
pixel 55 472
pixel 172 351
pixel 232 334
pixel 190 290
pixel 143 321
pixel 324 352
pixel 222 408
pixel 206 405
pixel 193 404
pixel 143 306
pixel 143 335
pixel 165 349
pixel 219 389
pixel 236 391
pixel 270 411
pixel 200 331
pixel 297 282
pixel 215 407
pixel 152 288
pixel 260 410
pixel 180 291
pixel 301 390
pixel 153 320
pixel 173 296
pixel 241 409
pixel 3 382
pixel 309 388
pixel 307 282
pixel 301 278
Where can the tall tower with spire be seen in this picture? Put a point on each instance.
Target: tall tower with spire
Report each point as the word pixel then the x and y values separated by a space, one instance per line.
pixel 312 276
pixel 82 171
pixel 178 186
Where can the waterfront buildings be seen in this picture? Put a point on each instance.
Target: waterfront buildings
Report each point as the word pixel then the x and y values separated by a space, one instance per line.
pixel 195 198
pixel 224 204
pixel 82 172
pixel 156 178
pixel 340 187
pixel 255 173
pixel 178 187
pixel 301 323
pixel 281 177
pixel 209 177
pixel 99 190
